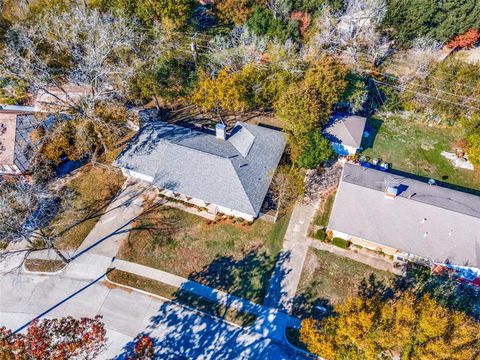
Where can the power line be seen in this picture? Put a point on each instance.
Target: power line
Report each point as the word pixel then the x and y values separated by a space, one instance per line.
pixel 426 95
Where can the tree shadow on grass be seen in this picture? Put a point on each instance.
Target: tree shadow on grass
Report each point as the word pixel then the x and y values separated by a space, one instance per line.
pixel 246 277
pixel 197 330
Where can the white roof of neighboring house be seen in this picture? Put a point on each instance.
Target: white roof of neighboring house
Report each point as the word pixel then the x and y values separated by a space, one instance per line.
pixel 54 100
pixel 430 221
pixel 8 125
pixel 346 130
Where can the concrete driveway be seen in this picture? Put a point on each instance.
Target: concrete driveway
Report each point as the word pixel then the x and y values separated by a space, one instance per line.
pixel 178 332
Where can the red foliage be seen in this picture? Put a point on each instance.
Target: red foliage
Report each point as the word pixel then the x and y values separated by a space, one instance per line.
pixel 143 348
pixel 305 19
pixel 59 339
pixel 466 40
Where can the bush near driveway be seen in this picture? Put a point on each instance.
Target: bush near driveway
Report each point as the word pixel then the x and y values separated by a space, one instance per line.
pixel 341 243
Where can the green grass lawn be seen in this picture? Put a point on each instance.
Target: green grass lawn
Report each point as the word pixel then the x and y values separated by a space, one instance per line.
pixel 236 258
pixel 328 279
pixel 323 214
pixel 415 148
pixel 92 191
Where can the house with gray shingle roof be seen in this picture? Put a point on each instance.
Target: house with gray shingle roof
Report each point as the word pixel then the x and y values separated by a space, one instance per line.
pixel 225 173
pixel 16 146
pixel 407 218
pixel 345 133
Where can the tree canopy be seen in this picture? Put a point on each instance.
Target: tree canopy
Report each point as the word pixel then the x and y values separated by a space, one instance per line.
pixel 64 338
pixel 409 327
pixel 407 20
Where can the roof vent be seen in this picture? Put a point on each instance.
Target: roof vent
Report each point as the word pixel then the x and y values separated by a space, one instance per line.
pixel 221 131
pixel 392 192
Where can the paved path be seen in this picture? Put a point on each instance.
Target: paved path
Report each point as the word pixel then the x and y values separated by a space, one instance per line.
pixel 266 328
pixel 288 269
pixel 178 332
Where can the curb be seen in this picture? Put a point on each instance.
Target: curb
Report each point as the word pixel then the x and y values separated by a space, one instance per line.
pixel 201 313
pixel 304 352
pixel 25 270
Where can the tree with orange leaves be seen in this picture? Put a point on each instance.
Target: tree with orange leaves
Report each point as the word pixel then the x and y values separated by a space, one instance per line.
pixel 466 40
pixel 60 339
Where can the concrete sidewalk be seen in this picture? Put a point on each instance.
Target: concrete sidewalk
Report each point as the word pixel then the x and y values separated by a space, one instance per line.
pixel 218 296
pixel 288 269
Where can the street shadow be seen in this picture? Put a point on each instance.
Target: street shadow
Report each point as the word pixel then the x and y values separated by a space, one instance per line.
pixel 194 326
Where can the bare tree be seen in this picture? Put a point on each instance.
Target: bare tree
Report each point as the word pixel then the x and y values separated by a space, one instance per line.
pixel 26 213
pixel 279 8
pixel 235 49
pixel 77 59
pixel 352 34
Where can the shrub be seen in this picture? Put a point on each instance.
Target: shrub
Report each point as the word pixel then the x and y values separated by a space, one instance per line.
pixel 466 40
pixel 320 234
pixel 239 220
pixel 341 243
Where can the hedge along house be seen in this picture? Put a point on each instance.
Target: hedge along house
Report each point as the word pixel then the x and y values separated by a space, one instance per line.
pixel 227 173
pixel 407 218
pixel 345 133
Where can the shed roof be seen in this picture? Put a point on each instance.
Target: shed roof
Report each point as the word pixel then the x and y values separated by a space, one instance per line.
pixel 425 220
pixel 235 173
pixel 346 130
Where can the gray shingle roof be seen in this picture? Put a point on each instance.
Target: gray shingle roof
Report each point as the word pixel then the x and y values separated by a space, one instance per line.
pixel 346 130
pixel 426 220
pixel 235 173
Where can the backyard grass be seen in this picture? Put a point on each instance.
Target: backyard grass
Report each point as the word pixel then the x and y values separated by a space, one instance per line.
pixel 233 257
pixel 91 190
pixel 182 297
pixel 328 279
pixel 415 148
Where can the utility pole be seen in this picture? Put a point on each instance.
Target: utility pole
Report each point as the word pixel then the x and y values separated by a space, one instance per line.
pixel 193 46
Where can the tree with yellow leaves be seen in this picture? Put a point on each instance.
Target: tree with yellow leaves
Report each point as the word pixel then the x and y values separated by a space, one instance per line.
pixel 407 327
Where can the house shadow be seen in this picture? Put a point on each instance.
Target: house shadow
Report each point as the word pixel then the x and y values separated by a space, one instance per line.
pixel 372 127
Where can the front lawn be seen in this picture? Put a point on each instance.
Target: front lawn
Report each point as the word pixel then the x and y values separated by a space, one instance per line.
pixel 329 279
pixel 234 257
pixel 91 192
pixel 415 148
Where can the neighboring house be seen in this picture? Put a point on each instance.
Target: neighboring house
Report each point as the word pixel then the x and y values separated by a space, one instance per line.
pixel 16 147
pixel 224 173
pixel 407 218
pixel 56 100
pixel 345 134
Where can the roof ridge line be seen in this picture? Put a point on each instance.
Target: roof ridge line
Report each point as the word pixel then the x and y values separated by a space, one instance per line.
pixel 189 147
pixel 348 132
pixel 241 184
pixel 423 202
